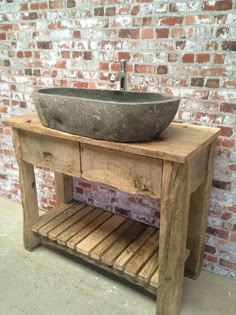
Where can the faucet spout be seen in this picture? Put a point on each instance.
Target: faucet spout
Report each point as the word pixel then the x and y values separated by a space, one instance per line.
pixel 122 75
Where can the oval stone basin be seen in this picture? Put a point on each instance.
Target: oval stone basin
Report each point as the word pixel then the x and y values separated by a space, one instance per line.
pixel 121 116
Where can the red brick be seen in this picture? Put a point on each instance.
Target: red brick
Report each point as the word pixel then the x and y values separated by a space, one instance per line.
pixel 229 45
pixel 20 54
pixel 178 33
pixel 188 58
pixel 80 84
pixel 217 232
pixel 228 108
pixel 88 55
pixel 129 33
pixel 222 31
pixel 162 32
pixel 7 63
pixel 233 237
pixel 56 4
pixel 171 20
pixel 111 11
pixel 212 83
pixel 210 249
pixel 221 184
pixel 70 3
pixel 219 59
pixel 226 131
pixel 227 264
pixel 218 5
pixel 197 82
pixel 104 66
pixel 65 54
pixel 123 55
pixel 147 33
pixel 212 259
pixel 30 16
pixel 44 45
pixel 99 11
pixel 60 64
pixel 2 36
pixel 24 7
pixel 144 69
pixel 76 34
pixel 5 27
pixel 203 58
pixel 135 10
pixel 161 69
pixel 228 143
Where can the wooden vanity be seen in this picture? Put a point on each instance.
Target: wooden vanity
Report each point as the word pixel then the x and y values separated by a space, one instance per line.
pixel 177 168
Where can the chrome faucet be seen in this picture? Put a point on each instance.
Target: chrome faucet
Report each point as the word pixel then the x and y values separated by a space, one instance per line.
pixel 122 75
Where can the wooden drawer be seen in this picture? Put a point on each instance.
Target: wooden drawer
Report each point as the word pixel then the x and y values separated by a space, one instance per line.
pixel 128 172
pixel 60 155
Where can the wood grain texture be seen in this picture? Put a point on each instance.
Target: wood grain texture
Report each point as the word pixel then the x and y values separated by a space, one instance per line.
pixel 198 213
pixel 78 226
pixel 177 143
pixel 176 186
pixel 60 155
pixel 64 189
pixel 28 195
pixel 128 172
pixel 132 249
pixel 111 240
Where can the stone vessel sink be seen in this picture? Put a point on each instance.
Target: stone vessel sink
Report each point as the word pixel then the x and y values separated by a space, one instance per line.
pixel 105 114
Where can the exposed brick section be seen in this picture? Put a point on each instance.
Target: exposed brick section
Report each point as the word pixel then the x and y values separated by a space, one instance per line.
pixel 172 20
pixel 129 33
pixel 44 45
pixel 229 45
pixel 228 107
pixel 162 32
pixel 188 58
pixel 197 82
pixel 221 185
pixel 162 70
pixel 213 83
pixel 203 58
pixel 217 5
pixel 144 69
pixel 183 48
pixel 99 11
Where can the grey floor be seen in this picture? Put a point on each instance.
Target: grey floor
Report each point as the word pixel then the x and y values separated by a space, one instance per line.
pixel 46 283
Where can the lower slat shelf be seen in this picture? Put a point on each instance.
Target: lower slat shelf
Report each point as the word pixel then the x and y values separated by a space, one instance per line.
pixel 126 248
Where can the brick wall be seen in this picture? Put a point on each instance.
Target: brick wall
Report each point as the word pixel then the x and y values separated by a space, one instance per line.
pixel 184 48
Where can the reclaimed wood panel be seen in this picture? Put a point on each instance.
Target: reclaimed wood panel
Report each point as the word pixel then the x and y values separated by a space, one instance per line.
pixel 60 155
pixel 127 172
pixel 177 143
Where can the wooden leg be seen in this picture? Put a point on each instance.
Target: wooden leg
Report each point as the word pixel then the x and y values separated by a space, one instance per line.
pixel 198 212
pixel 175 195
pixel 64 190
pixel 28 195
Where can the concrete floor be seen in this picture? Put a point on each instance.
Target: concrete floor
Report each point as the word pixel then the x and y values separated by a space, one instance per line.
pixel 46 282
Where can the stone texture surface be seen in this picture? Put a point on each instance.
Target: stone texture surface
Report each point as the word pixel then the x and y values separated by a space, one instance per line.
pixel 107 115
pixel 181 48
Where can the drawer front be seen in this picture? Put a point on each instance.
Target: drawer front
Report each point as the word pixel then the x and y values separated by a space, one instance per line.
pixel 60 155
pixel 128 172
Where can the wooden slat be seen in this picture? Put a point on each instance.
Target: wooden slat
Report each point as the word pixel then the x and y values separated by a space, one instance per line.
pixel 149 268
pixel 131 250
pixel 78 226
pixel 69 222
pixel 104 246
pixel 143 255
pixel 93 239
pixel 155 279
pixel 60 219
pixel 50 215
pixel 88 229
pixel 181 140
pixel 122 243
